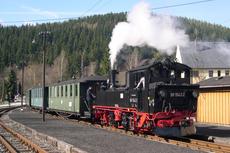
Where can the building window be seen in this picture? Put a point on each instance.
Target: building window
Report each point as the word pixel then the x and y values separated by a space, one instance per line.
pixel 210 73
pixel 218 73
pixel 227 72
pixel 195 73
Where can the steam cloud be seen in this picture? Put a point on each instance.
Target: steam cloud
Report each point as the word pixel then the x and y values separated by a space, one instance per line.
pixel 143 28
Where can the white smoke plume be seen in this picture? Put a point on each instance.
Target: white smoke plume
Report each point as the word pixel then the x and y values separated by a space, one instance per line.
pixel 143 28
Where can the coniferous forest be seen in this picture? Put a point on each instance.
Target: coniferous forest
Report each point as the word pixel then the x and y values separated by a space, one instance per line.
pixel 90 35
pixel 86 36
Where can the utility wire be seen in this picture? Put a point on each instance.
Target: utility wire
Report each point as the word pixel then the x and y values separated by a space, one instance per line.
pixel 95 4
pixel 183 4
pixel 56 19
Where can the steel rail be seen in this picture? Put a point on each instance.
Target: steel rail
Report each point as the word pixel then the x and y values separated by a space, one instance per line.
pixel 23 139
pixel 182 142
pixel 7 145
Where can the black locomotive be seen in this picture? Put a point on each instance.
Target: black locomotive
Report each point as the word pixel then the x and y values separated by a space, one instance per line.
pixel 158 98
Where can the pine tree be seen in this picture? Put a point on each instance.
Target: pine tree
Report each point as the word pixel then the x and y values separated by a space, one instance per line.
pixel 11 86
pixel 105 64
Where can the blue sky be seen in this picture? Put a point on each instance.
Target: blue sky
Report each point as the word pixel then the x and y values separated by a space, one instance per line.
pixel 216 11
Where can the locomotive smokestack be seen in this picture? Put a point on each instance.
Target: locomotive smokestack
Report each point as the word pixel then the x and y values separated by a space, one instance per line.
pixel 113 78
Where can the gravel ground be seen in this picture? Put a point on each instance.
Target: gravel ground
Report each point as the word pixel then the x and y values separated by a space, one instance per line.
pixel 91 139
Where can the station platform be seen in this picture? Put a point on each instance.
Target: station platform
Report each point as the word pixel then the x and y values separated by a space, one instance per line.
pixel 220 134
pixel 89 138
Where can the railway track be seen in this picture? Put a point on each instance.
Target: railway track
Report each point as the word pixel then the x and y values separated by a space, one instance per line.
pixel 182 142
pixel 191 143
pixel 14 142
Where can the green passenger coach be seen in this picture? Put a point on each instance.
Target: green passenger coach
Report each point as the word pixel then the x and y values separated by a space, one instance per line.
pixel 36 100
pixel 64 96
pixel 69 96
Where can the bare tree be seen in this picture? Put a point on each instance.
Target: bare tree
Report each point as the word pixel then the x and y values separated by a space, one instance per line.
pixel 133 59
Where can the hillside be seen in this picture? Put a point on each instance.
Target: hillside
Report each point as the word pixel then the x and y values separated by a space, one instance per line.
pixel 86 37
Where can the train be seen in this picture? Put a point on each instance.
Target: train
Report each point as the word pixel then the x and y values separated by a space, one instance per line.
pixel 157 98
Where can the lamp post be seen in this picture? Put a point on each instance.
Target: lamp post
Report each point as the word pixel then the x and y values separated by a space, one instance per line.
pixel 45 36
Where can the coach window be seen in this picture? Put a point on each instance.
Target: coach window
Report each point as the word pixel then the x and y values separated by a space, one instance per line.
pixel 70 92
pixel 76 90
pixel 61 91
pixel 66 90
pixel 52 90
pixel 57 91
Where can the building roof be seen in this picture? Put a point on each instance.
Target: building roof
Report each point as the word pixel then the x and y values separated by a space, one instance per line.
pixel 215 82
pixel 206 55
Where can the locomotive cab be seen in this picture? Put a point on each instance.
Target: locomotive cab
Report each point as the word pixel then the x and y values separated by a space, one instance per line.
pixel 166 87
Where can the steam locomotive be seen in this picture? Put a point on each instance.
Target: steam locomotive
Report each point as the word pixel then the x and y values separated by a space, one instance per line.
pixel 157 98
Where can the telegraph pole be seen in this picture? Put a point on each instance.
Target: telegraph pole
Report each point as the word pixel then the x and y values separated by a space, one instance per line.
pixel 22 82
pixel 44 36
pixel 82 63
pixel 3 90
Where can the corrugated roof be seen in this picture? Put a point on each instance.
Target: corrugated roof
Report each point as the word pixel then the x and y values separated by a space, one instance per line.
pixel 206 55
pixel 215 82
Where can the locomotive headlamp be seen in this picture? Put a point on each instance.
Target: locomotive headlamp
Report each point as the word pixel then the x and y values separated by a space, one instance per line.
pixel 162 93
pixel 195 94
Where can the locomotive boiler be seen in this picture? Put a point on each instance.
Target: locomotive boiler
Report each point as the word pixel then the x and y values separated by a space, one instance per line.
pixel 157 98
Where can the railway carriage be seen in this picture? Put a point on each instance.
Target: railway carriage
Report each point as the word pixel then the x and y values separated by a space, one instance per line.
pixel 67 96
pixel 64 96
pixel 28 97
pixel 35 99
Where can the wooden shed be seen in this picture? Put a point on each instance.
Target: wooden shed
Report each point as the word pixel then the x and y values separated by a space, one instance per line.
pixel 214 101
